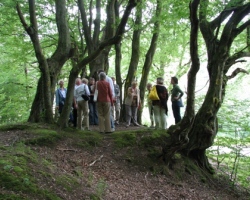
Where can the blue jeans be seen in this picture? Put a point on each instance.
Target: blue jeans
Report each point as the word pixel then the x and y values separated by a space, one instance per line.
pixel 93 116
pixel 176 111
pixel 112 121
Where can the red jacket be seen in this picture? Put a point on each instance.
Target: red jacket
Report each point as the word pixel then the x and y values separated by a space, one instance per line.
pixel 104 92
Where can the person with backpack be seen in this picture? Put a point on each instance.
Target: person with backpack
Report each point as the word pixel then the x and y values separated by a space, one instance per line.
pixel 160 104
pixel 81 104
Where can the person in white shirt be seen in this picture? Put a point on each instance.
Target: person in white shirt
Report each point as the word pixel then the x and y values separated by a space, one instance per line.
pixel 81 104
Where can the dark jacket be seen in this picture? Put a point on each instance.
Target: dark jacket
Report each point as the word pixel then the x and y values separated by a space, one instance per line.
pixel 163 95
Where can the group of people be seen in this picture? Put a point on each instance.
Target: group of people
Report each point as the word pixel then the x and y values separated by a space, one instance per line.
pixel 158 109
pixel 104 111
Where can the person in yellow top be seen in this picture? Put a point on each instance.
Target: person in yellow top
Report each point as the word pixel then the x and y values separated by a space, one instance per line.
pixel 150 106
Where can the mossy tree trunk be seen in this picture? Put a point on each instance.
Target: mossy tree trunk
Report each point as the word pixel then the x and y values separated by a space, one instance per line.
pixel 196 132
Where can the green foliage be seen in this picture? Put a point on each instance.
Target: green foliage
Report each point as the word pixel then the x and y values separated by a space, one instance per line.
pixel 100 188
pixel 231 155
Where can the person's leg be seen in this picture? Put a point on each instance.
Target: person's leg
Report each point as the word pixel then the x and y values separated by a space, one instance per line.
pixel 95 114
pixel 107 116
pixel 112 121
pixel 100 116
pixel 86 115
pixel 74 117
pixel 117 112
pixel 163 118
pixel 91 113
pixel 157 116
pixel 79 114
pixel 176 113
pixel 128 114
pixel 134 115
pixel 151 114
pixel 60 108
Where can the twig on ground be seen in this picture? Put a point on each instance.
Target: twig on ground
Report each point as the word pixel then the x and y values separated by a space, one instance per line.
pixel 146 179
pixel 91 164
pixel 66 149
pixel 155 191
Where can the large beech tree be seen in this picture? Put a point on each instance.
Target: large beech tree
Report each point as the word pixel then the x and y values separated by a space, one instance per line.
pixel 196 132
pixel 41 109
pixel 51 67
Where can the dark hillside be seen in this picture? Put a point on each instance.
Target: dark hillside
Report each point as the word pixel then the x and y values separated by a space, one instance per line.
pixel 39 162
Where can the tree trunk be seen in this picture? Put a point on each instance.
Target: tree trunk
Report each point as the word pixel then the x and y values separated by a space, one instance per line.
pixel 149 58
pixel 37 104
pixel 196 132
pixel 135 54
pixel 41 110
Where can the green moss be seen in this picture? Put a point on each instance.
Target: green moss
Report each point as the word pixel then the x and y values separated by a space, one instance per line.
pixel 10 127
pixel 156 138
pixel 3 148
pixel 69 183
pixel 88 139
pixel 43 137
pixel 124 139
pixel 18 169
pixel 12 197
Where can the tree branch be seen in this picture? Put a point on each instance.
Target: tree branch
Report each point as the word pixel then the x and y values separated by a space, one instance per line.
pixel 243 26
pixel 114 40
pixel 86 30
pixel 224 14
pixel 64 44
pixel 20 14
pixel 231 31
pixel 236 72
pixel 232 59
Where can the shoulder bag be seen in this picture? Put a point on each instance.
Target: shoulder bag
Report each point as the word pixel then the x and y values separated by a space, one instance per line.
pixel 153 94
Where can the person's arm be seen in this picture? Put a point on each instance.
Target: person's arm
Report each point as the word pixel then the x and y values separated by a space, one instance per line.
pixel 110 95
pixel 87 92
pixel 57 98
pixel 138 99
pixel 129 91
pixel 75 103
pixel 112 87
pixel 119 92
pixel 180 92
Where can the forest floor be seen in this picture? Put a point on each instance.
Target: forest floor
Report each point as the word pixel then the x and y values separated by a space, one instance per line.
pixel 111 172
